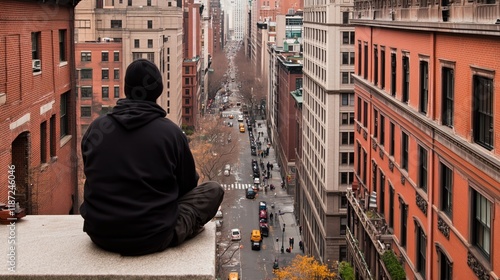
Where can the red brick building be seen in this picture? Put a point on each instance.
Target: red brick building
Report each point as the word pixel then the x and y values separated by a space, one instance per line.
pixel 427 160
pixel 99 77
pixel 37 104
pixel 191 74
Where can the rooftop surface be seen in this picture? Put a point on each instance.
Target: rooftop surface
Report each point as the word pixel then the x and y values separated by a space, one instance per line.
pixel 55 247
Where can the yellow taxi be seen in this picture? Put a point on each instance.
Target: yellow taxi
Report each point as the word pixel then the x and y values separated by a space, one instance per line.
pixel 233 276
pixel 242 128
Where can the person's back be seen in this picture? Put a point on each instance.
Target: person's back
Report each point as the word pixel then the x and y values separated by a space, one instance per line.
pixel 139 172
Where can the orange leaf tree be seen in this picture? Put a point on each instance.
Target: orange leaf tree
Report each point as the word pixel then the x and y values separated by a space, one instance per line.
pixel 304 267
pixel 211 147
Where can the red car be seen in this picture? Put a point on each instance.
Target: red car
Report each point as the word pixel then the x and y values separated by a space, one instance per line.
pixel 263 215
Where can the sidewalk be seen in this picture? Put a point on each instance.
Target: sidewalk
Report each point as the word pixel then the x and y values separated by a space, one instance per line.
pixel 282 203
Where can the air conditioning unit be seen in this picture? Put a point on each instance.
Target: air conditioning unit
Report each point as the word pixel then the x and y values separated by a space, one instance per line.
pixel 37 65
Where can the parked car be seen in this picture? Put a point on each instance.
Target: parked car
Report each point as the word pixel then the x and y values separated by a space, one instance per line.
pixel 262 205
pixel 227 170
pixel 263 215
pixel 235 234
pixel 264 227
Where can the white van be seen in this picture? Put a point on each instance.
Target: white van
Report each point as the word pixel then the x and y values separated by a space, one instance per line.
pixel 240 118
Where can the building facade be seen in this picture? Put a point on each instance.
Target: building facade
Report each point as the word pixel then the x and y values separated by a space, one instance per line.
pixel 427 183
pixel 37 106
pixel 147 29
pixel 326 168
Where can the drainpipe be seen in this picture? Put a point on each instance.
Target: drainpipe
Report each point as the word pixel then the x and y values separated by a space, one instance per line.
pixel 433 174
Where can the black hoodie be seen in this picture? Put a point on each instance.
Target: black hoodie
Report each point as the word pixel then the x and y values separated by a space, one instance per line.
pixel 137 164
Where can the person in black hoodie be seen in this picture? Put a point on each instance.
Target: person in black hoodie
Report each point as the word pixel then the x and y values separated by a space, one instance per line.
pixel 141 193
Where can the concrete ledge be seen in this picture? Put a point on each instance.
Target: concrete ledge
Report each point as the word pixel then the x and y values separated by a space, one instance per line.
pixel 55 247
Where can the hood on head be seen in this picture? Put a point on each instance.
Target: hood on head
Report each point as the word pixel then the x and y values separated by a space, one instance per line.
pixel 132 114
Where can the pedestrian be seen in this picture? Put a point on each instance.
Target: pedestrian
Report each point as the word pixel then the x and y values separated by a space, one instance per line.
pixel 300 230
pixel 293 241
pixel 301 245
pixel 290 242
pixel 271 216
pixel 154 174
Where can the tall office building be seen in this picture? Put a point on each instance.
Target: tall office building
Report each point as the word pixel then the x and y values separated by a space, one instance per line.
pixel 326 167
pixel 239 18
pixel 427 182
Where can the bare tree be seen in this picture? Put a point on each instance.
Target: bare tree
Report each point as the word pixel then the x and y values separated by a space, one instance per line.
pixel 212 147
pixel 252 89
pixel 217 77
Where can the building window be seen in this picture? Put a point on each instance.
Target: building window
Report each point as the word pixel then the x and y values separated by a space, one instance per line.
pixel 116 23
pixel 447 91
pixel 86 74
pixel 105 92
pixel 348 37
pixel 342 253
pixel 104 56
pixel 365 114
pixel 445 271
pixel 86 92
pixel 148 3
pixel 64 121
pixel 129 2
pixel 116 93
pixel 116 56
pixel 422 168
pixel 298 83
pixel 347 99
pixel 421 251
pixel 375 123
pixel 343 200
pixel 391 206
pixel 347 118
pixel 86 56
pixel 343 224
pixel 365 71
pixel 62 45
pixel 116 74
pixel 186 100
pixel 382 192
pixel 481 223
pixel 406 79
pixel 347 58
pixel 404 151
pixel 424 86
pixel 358 165
pixel 375 65
pixel 365 164
pixel 446 184
pixel 347 138
pixel 105 74
pixel 136 43
pixel 359 58
pixel 374 176
pixel 483 112
pixel 382 68
pixel 150 24
pixel 345 17
pixel 346 178
pixel 150 43
pixel 393 74
pixel 85 111
pixel 381 139
pixel 347 158
pixel 404 222
pixel 392 129
pixel 52 136
pixel 359 109
pixel 43 142
pixel 36 43
pixel 345 78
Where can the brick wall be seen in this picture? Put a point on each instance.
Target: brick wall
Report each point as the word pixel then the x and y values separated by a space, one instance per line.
pixel 33 98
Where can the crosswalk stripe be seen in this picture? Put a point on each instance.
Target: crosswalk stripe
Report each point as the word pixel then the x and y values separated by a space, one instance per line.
pixel 235 186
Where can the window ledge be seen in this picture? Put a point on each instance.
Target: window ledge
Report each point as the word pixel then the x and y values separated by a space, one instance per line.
pixel 55 247
pixel 63 63
pixel 65 140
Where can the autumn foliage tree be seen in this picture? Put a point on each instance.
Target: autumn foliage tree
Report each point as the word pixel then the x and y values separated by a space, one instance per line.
pixel 212 147
pixel 304 267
